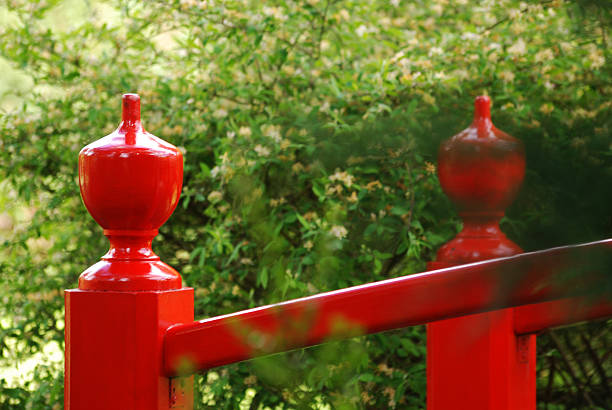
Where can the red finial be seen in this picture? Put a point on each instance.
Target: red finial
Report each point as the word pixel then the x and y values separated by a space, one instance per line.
pixel 482 108
pixel 130 118
pixel 481 170
pixel 130 183
pixel 482 116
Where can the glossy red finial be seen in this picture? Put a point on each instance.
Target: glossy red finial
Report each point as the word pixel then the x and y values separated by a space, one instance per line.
pixel 130 117
pixel 130 182
pixel 481 170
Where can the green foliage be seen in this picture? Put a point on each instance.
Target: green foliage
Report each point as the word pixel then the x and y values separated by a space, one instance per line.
pixel 309 132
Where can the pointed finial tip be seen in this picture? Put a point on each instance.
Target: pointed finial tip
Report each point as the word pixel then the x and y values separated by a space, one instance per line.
pixel 482 100
pixel 131 97
pixel 482 106
pixel 131 107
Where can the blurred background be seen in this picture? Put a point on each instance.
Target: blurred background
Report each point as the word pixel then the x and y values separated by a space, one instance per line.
pixel 310 134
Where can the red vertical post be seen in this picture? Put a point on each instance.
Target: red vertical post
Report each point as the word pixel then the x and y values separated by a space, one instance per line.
pixel 130 182
pixel 477 362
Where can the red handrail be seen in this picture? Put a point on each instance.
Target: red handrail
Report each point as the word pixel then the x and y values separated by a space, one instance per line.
pixel 536 318
pixel 405 301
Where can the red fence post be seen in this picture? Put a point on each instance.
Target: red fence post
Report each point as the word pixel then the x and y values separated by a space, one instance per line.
pixel 115 321
pixel 478 362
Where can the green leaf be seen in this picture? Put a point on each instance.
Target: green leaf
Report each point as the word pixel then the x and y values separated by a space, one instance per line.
pixel 303 221
pixel 262 277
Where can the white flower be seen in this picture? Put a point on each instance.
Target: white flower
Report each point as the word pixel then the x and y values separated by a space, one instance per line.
pixel 361 30
pixel 398 56
pixel 261 150
pixel 514 13
pixel 566 47
pixel 544 55
pixel 231 135
pixel 507 76
pixel 344 177
pixel 215 196
pixel 246 261
pixel 518 28
pixel 182 254
pixel 272 131
pixel 275 12
pixel 338 231
pixel 440 75
pixel 470 36
pixel 220 113
pixel 518 48
pixel 596 58
pixel 435 51
pixel 244 132
pixel 461 73
pixel 404 63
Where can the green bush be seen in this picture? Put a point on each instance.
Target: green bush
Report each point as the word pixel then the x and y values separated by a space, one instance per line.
pixel 310 132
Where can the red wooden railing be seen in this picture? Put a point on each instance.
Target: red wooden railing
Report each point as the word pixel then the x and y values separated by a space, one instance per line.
pixel 131 342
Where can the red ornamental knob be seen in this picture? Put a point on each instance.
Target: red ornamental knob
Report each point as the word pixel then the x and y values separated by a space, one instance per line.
pixel 481 170
pixel 130 182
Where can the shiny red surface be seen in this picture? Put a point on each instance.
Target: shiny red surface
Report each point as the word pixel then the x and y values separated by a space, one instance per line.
pixel 115 322
pixel 378 306
pixel 481 170
pixel 497 368
pixel 130 183
pixel 114 346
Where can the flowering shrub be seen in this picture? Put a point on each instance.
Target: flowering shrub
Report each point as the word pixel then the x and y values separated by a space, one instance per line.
pixel 309 131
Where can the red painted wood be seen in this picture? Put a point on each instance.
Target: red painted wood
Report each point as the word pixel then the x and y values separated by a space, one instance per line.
pixel 542 316
pixel 130 183
pixel 114 347
pixel 129 325
pixel 375 307
pixel 115 322
pixel 480 170
pixel 490 367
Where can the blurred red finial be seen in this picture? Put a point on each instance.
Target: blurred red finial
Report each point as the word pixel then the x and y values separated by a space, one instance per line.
pixel 480 170
pixel 482 116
